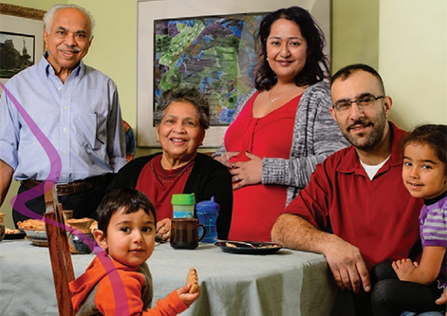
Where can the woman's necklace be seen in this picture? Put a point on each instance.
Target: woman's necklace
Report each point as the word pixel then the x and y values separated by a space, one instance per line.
pixel 177 172
pixel 168 177
pixel 277 98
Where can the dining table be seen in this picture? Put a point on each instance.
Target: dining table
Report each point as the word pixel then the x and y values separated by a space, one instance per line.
pixel 286 282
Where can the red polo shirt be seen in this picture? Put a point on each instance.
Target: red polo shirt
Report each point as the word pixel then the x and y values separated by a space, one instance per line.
pixel 379 217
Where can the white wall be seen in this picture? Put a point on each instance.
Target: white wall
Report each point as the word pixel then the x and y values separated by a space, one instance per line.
pixel 413 59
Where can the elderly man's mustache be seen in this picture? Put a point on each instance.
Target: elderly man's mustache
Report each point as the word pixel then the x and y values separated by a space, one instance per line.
pixel 74 49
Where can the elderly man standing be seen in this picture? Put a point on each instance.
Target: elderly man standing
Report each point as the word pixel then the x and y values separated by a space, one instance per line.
pixel 357 193
pixel 74 107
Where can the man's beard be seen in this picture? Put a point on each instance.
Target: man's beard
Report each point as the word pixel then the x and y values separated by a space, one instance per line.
pixel 368 141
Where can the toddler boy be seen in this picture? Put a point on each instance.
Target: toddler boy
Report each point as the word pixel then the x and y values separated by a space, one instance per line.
pixel 118 280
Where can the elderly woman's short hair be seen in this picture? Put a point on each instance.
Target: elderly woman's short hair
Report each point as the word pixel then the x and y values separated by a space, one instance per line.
pixel 190 95
pixel 48 17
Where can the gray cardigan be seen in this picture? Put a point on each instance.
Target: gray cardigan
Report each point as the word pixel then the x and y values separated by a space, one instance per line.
pixel 315 136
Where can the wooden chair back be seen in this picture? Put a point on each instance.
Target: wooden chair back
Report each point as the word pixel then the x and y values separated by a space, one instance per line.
pixel 60 257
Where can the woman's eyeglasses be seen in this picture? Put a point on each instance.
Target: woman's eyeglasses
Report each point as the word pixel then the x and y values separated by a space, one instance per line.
pixel 362 101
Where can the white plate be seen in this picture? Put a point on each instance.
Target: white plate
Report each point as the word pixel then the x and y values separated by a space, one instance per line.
pixel 35 234
pixel 38 242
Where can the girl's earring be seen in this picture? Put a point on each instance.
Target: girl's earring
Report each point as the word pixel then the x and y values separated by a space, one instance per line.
pixel 267 59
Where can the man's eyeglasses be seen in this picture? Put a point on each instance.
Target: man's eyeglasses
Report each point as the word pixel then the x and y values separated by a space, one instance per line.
pixel 362 101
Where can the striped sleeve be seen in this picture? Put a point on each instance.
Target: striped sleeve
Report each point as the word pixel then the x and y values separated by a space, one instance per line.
pixel 434 230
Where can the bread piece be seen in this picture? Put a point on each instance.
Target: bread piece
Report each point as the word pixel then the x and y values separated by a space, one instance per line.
pixel 32 224
pixel 194 280
pixel 12 231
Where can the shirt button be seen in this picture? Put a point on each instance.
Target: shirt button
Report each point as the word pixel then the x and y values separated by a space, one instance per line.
pixel 64 176
pixel 64 152
pixel 65 108
pixel 59 88
pixel 64 129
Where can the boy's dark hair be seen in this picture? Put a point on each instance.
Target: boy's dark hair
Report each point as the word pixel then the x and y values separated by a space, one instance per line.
pixel 432 135
pixel 129 199
pixel 345 72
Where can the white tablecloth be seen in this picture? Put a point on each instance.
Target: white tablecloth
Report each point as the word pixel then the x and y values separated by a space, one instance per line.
pixel 286 283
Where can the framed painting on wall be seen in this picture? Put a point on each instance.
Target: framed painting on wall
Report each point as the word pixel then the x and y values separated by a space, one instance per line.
pixel 16 53
pixel 21 39
pixel 207 44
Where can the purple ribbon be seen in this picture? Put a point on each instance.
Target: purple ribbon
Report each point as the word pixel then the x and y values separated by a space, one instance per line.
pixel 18 202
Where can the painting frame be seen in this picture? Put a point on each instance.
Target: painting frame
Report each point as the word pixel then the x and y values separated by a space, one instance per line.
pixel 20 62
pixel 23 20
pixel 151 10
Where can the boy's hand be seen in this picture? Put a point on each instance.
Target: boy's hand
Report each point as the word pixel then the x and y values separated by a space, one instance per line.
pixel 186 297
pixel 191 291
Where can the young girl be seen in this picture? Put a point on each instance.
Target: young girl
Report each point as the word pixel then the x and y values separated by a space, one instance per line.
pixel 126 233
pixel 404 285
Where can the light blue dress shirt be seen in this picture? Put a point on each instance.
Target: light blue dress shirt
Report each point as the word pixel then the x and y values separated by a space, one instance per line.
pixel 81 118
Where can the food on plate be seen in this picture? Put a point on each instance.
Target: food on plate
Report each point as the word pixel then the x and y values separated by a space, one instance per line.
pixel 193 279
pixel 12 231
pixel 32 224
pixel 268 246
pixel 259 246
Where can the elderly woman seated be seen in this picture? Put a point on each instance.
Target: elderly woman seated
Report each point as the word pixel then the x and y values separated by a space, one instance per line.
pixel 181 119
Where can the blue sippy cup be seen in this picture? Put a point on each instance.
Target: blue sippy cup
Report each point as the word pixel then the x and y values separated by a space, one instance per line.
pixel 207 212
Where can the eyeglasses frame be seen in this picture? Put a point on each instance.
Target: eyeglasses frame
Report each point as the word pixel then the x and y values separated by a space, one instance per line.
pixel 358 104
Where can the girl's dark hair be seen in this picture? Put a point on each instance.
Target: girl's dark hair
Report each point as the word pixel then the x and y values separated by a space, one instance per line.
pixel 129 199
pixel 317 65
pixel 432 135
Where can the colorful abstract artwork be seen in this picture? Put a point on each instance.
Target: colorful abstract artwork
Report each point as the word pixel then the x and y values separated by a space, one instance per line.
pixel 215 54
pixel 207 44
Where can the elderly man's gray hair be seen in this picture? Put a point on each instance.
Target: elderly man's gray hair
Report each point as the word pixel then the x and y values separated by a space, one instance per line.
pixel 48 17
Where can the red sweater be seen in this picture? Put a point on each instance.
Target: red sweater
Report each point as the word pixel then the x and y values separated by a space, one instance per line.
pixel 95 290
pixel 379 217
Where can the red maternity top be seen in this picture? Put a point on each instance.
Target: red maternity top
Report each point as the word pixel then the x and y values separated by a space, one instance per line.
pixel 256 207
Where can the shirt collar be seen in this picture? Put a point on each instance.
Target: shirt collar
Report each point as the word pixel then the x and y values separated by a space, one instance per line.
pixel 435 199
pixel 48 70
pixel 350 163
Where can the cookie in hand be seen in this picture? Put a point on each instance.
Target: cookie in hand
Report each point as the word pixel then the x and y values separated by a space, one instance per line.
pixel 193 279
